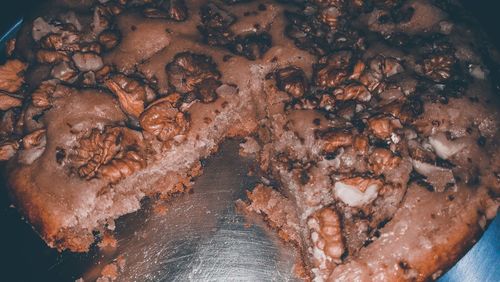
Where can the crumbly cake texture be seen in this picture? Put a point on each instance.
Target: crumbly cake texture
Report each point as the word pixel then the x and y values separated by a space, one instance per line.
pixel 378 120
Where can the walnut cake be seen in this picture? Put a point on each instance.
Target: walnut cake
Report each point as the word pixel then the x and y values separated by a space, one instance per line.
pixel 375 122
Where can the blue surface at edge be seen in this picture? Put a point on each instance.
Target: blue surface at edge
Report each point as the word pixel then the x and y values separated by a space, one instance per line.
pixel 482 262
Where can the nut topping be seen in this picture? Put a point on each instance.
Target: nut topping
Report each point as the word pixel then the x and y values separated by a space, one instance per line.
pixel 353 91
pixel 40 97
pixel 177 10
pixel 360 144
pixel 292 80
pixel 194 75
pixel 99 148
pixel 382 127
pixel 8 102
pixel 51 57
pixel 328 3
pixel 64 71
pixel 215 30
pixel 206 90
pixel 438 68
pixel 330 16
pixel 215 25
pixel 357 191
pixel 392 67
pixel 131 94
pixel 109 39
pixel 154 13
pixel 358 69
pixel 65 41
pixel 120 168
pixel 334 70
pixel 380 68
pixel 163 120
pixel 172 9
pixel 10 45
pixel 326 238
pixel 10 75
pixel 87 61
pixel 34 139
pixel 251 46
pixel 213 16
pixel 336 139
pixel 382 159
pixel 8 149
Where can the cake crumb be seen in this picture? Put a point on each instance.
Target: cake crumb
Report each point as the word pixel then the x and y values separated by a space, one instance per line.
pixel 111 271
pixel 108 241
pixel 160 209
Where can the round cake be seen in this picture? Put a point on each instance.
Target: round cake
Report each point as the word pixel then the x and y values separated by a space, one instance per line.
pixel 375 121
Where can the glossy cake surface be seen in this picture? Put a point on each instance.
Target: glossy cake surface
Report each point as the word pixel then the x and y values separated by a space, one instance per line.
pixel 377 122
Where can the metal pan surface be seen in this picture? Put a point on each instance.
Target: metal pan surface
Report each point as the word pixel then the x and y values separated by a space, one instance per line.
pixel 201 237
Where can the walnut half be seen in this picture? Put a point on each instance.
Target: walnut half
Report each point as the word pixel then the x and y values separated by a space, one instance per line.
pixel 103 149
pixel 194 74
pixel 163 120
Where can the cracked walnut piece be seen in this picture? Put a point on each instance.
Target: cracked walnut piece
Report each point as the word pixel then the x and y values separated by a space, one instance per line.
pixel 11 78
pixel 131 94
pixel 8 102
pixel 327 243
pixel 163 120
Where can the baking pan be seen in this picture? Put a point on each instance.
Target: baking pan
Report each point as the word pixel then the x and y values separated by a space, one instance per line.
pixel 199 237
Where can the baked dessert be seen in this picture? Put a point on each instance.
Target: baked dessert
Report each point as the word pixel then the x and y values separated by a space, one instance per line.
pixel 375 120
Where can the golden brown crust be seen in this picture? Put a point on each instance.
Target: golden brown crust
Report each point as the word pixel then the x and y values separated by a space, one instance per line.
pixel 34 206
